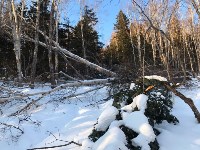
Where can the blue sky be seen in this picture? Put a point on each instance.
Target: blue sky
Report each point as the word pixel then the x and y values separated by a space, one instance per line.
pixel 106 11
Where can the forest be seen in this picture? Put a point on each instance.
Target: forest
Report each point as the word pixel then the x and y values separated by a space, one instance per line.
pixel 33 37
pixel 129 89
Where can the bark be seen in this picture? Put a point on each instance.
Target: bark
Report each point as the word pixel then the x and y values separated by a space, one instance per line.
pixel 82 35
pixel 51 67
pixel 16 33
pixel 186 100
pixel 33 68
pixel 139 46
pixel 56 53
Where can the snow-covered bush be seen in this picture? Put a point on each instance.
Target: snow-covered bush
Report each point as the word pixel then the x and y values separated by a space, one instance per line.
pixel 129 122
pixel 159 102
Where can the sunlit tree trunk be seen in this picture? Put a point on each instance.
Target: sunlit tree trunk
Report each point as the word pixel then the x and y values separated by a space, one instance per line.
pixel 139 46
pixel 16 24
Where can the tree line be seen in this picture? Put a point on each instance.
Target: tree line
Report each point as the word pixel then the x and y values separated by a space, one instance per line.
pixel 156 39
pixel 32 59
pixel 149 38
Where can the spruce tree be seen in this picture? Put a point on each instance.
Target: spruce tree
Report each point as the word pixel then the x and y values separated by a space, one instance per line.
pixel 88 35
pixel 123 39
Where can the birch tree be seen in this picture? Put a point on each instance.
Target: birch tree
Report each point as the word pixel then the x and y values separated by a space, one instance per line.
pixel 16 26
pixel 33 68
pixel 57 16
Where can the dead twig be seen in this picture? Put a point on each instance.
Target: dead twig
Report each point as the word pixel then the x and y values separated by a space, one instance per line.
pixel 12 126
pixel 49 147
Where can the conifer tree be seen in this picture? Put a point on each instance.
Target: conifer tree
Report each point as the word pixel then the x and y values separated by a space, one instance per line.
pixel 92 45
pixel 123 39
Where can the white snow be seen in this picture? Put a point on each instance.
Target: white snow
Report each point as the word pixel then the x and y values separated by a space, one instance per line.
pixel 106 117
pixel 138 122
pixel 156 77
pixel 132 86
pixel 75 118
pixel 185 135
pixel 139 101
pixel 113 139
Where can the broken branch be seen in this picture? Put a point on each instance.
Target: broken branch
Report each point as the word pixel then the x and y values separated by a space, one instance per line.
pixel 186 100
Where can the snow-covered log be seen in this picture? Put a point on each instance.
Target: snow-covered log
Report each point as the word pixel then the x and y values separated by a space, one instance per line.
pixel 72 84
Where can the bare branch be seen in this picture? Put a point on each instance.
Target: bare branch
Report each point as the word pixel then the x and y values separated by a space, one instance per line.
pixel 150 22
pixel 196 6
pixel 72 142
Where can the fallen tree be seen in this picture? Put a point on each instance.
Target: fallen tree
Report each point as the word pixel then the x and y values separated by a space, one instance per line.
pixel 72 84
pixel 57 47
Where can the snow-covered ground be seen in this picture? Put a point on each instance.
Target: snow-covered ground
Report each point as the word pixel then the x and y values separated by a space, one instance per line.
pixel 186 134
pixel 74 119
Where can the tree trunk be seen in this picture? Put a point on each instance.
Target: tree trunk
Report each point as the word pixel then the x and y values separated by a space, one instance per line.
pixel 33 68
pixel 16 33
pixel 56 53
pixel 186 100
pixel 51 67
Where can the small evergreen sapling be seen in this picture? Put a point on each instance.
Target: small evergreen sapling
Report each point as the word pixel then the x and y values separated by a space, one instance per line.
pixel 158 105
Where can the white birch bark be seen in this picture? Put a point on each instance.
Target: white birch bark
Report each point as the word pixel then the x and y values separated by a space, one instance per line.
pixel 16 33
pixel 74 57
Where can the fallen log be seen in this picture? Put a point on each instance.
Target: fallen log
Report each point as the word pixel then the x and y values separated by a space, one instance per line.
pixel 73 84
pixel 73 56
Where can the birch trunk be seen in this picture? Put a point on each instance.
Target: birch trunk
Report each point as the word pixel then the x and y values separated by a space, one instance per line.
pixel 33 68
pixel 74 57
pixel 139 46
pixel 16 33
